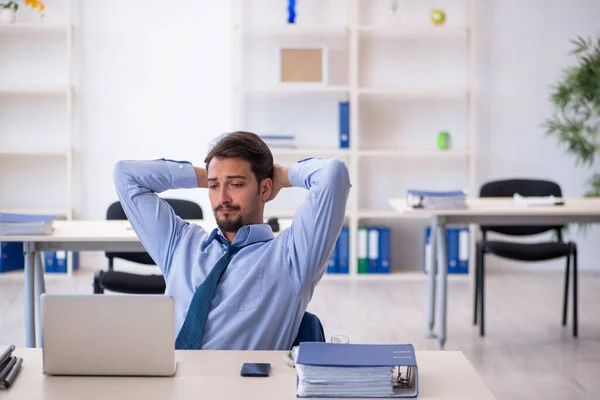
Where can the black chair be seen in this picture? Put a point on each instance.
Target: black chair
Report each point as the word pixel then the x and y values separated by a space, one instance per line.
pixel 311 330
pixel 527 252
pixel 124 282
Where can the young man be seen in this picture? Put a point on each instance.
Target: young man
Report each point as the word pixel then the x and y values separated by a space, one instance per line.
pixel 237 287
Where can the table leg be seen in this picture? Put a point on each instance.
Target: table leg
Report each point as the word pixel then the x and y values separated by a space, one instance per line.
pixel 40 288
pixel 431 277
pixel 442 282
pixel 29 295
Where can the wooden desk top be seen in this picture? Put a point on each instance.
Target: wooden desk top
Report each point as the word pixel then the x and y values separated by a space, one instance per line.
pixel 216 375
pixel 494 206
pixel 91 231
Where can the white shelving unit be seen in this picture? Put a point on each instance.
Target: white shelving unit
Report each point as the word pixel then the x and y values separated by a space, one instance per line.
pixel 366 43
pixel 36 112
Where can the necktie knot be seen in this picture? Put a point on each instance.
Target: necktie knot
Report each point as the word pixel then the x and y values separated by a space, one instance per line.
pixel 231 249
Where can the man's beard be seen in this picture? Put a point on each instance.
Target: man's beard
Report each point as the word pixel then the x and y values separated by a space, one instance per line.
pixel 229 223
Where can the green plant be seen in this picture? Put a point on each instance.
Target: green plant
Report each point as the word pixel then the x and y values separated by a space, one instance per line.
pixel 34 4
pixel 10 4
pixel 576 102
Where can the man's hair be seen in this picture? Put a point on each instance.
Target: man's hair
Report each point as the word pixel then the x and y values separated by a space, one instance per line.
pixel 246 146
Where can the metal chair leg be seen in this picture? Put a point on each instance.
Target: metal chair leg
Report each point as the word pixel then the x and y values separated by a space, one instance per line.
pixel 566 291
pixel 476 293
pixel 482 295
pixel 575 317
pixel 97 287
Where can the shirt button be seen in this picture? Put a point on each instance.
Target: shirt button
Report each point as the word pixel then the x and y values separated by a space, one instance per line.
pixel 181 167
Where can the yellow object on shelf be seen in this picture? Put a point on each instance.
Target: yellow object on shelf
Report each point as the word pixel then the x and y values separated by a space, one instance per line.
pixel 438 17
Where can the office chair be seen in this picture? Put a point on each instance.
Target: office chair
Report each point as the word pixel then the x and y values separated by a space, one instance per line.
pixel 311 330
pixel 528 252
pixel 124 282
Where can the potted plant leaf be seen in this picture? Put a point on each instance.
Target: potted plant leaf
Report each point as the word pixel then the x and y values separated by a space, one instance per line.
pixel 8 10
pixel 576 102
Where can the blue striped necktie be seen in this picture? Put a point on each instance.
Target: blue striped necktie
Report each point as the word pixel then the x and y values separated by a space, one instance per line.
pixel 190 335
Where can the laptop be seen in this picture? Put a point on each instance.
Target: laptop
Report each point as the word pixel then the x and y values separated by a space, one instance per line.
pixel 113 335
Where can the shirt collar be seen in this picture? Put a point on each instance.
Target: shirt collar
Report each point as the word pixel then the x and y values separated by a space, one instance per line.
pixel 247 235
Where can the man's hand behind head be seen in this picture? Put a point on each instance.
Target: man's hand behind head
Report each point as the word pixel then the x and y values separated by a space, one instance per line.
pixel 280 180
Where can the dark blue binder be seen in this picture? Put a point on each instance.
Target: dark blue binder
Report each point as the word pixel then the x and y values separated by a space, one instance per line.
pixel 11 256
pixel 344 125
pixel 385 256
pixel 332 266
pixel 344 251
pixel 457 250
pixel 362 355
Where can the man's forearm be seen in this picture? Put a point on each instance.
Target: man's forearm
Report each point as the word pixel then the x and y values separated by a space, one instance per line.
pixel 202 176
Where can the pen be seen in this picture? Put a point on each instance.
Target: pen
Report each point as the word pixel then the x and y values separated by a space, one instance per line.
pixel 10 378
pixel 6 355
pixel 4 372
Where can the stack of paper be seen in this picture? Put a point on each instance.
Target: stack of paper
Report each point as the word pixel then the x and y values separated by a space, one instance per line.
pixel 26 224
pixel 536 200
pixel 427 199
pixel 354 370
pixel 345 381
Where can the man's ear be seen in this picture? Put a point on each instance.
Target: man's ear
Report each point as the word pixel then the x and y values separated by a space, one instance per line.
pixel 266 188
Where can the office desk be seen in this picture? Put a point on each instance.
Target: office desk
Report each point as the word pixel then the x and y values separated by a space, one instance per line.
pixel 486 211
pixel 216 375
pixel 114 235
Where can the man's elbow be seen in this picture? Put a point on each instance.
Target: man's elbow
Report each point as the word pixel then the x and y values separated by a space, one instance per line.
pixel 121 172
pixel 337 172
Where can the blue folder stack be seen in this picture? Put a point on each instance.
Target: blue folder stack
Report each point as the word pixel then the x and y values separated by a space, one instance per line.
pixel 25 224
pixel 340 258
pixel 356 370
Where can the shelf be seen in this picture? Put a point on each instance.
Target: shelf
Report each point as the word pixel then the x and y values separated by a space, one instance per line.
pixel 291 30
pixel 287 213
pixel 415 153
pixel 414 92
pixel 411 31
pixel 407 276
pixel 35 27
pixel 282 213
pixel 35 89
pixel 330 153
pixel 374 213
pixel 34 152
pixel 294 90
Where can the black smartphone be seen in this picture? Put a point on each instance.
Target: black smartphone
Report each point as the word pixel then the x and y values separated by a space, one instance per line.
pixel 256 369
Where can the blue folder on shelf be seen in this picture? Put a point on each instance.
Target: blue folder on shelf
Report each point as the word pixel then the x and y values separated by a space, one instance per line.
pixel 356 370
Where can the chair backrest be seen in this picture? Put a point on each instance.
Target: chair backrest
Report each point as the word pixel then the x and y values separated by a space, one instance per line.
pixel 311 330
pixel 525 187
pixel 183 208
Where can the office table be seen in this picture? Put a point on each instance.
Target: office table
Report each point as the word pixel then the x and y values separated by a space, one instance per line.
pixel 486 211
pixel 216 375
pixel 113 235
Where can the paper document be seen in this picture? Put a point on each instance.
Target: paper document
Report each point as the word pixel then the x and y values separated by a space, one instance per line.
pixel 536 200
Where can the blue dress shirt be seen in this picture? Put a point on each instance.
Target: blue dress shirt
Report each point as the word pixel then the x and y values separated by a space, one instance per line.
pixel 267 286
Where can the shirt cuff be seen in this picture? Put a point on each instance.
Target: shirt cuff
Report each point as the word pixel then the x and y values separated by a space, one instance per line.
pixel 183 175
pixel 295 176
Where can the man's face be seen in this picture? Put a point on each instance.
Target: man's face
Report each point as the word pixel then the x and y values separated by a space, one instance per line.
pixel 236 197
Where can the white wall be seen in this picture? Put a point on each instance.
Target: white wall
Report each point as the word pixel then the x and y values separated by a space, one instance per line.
pixel 522 47
pixel 154 80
